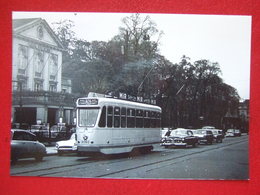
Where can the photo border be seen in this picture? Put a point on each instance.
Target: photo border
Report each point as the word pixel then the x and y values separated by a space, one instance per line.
pixel 43 185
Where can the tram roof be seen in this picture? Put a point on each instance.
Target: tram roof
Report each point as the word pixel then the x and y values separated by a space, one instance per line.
pixel 115 101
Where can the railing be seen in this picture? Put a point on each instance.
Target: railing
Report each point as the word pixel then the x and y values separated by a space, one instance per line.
pixel 43 98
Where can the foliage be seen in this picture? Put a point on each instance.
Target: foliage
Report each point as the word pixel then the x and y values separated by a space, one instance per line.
pixel 189 93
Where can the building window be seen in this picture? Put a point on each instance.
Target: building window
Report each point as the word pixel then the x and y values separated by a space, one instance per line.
pixel 53 64
pixel 39 61
pixel 38 86
pixel 20 85
pixel 22 57
pixel 53 87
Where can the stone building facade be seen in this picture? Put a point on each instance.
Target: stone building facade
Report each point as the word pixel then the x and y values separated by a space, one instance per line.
pixel 39 95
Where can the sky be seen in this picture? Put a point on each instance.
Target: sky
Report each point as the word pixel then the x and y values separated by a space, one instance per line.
pixel 217 38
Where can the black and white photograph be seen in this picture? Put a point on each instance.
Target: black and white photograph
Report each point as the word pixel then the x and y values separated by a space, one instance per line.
pixel 130 95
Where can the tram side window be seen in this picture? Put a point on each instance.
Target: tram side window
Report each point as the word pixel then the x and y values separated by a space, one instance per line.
pixel 123 117
pixel 146 119
pixel 116 117
pixel 130 117
pixel 153 119
pixel 102 121
pixel 158 119
pixel 109 116
pixel 139 119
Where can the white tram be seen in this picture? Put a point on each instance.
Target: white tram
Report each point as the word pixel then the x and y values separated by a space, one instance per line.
pixel 110 126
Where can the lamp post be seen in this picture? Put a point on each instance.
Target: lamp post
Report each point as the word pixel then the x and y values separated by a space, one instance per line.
pixel 201 118
pixel 20 103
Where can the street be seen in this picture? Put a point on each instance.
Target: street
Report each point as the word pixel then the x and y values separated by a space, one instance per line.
pixel 227 160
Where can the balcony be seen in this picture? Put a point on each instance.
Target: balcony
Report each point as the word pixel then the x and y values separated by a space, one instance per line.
pixel 21 71
pixel 43 98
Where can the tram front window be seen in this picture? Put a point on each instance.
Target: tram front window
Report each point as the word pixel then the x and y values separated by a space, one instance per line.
pixel 88 117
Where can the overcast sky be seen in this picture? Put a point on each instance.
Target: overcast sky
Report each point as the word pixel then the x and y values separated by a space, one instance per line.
pixel 218 38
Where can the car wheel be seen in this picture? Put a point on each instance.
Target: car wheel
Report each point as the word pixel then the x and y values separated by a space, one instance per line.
pixel 60 153
pixel 194 145
pixel 39 158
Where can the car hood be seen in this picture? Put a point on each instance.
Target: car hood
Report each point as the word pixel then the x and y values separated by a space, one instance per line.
pixel 178 136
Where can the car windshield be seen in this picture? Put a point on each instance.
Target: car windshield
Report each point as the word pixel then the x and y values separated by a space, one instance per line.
pixel 201 132
pixel 72 137
pixel 88 116
pixel 230 130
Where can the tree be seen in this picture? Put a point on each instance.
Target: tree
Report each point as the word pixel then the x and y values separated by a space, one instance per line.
pixel 63 30
pixel 93 76
pixel 136 35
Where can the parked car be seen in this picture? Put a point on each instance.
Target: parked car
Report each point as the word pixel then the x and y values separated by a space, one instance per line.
pixel 67 145
pixel 180 137
pixel 24 144
pixel 233 133
pixel 204 136
pixel 237 132
pixel 164 132
pixel 218 135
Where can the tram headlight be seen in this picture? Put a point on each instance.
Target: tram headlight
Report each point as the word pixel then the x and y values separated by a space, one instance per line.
pixel 85 137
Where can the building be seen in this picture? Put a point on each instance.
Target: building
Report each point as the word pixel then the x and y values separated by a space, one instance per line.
pixel 39 95
pixel 244 115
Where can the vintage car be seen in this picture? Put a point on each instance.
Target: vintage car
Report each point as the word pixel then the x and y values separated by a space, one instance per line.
pixel 218 135
pixel 67 145
pixel 204 136
pixel 233 133
pixel 179 137
pixel 24 144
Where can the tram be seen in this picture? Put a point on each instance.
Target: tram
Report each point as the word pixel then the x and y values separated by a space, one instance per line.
pixel 111 125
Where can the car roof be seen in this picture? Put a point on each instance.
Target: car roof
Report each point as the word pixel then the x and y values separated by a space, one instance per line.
pixel 21 130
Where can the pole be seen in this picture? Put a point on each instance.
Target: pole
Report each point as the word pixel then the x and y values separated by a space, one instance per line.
pixel 19 83
pixel 138 89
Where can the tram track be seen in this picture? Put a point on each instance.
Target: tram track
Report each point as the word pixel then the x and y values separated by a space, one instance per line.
pixel 169 159
pixel 89 162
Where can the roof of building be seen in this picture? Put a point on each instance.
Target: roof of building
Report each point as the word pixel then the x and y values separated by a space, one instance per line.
pixel 20 25
pixel 21 22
